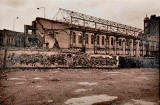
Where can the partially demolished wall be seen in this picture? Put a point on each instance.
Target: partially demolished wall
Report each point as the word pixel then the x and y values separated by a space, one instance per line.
pixel 19 58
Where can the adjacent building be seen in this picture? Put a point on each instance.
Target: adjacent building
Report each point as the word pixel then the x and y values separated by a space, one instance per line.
pixel 11 38
pixel 152 25
pixel 152 31
pixel 15 39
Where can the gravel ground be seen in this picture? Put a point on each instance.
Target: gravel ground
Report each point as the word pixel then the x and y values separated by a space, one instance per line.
pixel 54 87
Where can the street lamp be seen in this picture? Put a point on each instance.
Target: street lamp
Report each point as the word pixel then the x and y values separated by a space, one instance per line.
pixel 43 9
pixel 14 20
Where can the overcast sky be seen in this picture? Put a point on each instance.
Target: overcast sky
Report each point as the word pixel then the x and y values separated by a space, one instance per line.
pixel 129 12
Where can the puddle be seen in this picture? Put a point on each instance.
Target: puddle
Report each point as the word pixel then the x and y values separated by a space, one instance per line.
pixel 49 101
pixel 20 83
pixel 16 79
pixel 85 72
pixel 37 78
pixel 145 78
pixel 55 71
pixel 38 86
pixel 13 78
pixel 90 100
pixel 81 90
pixel 87 83
pixel 113 72
pixel 139 102
pixel 34 74
pixel 137 79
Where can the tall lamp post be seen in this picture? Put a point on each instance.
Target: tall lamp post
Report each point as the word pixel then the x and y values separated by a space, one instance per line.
pixel 14 20
pixel 43 9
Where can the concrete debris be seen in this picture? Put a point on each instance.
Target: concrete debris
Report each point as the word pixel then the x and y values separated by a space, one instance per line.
pixel 61 59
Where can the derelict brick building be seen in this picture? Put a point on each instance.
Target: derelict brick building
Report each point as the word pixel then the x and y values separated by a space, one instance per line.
pixel 76 31
pixel 79 32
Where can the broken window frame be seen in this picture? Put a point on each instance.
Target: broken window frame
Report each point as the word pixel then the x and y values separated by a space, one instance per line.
pixel 103 40
pixel 98 39
pixel 80 39
pixel 92 39
pixel 86 38
pixel 74 37
pixel 112 41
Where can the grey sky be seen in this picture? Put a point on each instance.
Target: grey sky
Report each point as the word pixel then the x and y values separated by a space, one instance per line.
pixel 129 12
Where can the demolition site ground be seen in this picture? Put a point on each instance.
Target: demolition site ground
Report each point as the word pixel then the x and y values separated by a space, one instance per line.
pixel 55 87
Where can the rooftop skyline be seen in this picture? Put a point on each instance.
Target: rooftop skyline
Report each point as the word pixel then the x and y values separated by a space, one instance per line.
pixel 129 12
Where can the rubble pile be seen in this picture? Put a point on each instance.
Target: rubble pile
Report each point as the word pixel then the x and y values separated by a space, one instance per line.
pixel 58 59
pixel 62 59
pixel 27 59
pixel 81 60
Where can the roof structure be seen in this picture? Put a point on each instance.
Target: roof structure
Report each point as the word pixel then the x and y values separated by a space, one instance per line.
pixel 75 18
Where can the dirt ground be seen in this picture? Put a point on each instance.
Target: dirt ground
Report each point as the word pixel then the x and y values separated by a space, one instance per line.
pixel 54 87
